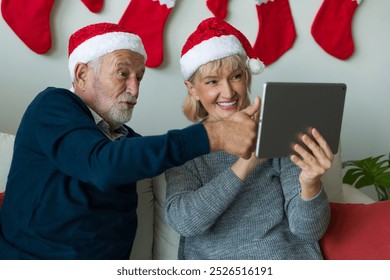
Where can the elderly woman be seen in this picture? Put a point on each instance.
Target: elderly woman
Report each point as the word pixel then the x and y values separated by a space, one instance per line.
pixel 226 207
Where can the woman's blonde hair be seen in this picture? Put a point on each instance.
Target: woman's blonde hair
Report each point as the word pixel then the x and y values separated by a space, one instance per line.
pixel 192 108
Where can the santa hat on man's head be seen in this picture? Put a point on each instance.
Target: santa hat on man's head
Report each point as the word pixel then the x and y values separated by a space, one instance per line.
pixel 212 40
pixel 95 40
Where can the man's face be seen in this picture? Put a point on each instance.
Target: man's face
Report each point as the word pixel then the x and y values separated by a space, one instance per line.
pixel 115 86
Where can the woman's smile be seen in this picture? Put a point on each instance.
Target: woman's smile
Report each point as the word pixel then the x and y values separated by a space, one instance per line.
pixel 225 105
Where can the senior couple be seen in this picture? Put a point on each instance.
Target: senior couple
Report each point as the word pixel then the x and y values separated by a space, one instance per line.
pixel 71 190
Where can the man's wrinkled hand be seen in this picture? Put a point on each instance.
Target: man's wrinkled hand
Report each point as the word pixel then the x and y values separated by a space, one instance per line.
pixel 237 133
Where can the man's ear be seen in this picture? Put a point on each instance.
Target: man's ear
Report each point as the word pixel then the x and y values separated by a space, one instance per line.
pixel 191 89
pixel 80 74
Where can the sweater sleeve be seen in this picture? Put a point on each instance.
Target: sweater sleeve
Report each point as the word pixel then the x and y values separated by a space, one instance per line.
pixel 192 207
pixel 308 219
pixel 66 133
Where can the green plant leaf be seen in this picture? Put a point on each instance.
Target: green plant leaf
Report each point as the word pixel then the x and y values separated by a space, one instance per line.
pixel 352 175
pixel 364 182
pixel 379 170
pixel 383 179
pixel 367 172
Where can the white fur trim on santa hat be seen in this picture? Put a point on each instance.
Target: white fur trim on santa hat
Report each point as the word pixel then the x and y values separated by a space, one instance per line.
pixel 209 50
pixel 103 44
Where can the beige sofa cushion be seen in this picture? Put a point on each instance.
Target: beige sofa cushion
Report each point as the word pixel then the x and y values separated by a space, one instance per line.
pixel 333 180
pixel 166 240
pixel 143 242
pixel 6 150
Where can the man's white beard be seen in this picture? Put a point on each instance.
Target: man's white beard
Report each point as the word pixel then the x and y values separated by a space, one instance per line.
pixel 120 117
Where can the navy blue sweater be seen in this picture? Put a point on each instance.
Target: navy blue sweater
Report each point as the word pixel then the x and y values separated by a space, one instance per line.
pixel 71 192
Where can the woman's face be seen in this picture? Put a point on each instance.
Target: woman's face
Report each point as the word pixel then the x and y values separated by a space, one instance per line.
pixel 222 91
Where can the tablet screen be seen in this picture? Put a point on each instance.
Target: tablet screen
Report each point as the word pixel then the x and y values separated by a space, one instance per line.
pixel 290 109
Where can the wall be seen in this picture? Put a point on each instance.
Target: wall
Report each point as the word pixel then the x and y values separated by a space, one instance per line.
pixel 365 130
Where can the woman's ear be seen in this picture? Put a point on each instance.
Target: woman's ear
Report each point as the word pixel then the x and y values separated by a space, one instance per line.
pixel 191 89
pixel 80 74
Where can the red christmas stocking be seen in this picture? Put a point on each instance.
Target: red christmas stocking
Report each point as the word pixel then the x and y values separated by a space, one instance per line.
pixel 218 8
pixel 94 6
pixel 331 28
pixel 147 19
pixel 30 20
pixel 276 30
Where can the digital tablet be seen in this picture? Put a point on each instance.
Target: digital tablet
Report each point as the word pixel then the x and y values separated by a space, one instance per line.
pixel 290 109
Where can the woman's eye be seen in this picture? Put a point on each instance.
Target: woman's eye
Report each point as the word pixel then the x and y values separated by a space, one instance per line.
pixel 211 82
pixel 237 76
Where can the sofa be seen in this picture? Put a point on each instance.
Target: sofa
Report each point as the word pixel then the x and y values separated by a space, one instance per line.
pixel 358 227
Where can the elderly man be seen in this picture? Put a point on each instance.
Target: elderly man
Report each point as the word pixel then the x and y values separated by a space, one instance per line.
pixel 71 191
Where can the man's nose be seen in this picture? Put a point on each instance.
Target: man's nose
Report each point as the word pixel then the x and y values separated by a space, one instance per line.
pixel 132 85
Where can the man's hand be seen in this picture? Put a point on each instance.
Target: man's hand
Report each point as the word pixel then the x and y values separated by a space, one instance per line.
pixel 237 133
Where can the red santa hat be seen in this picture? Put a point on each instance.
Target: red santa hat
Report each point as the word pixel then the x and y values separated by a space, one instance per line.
pixel 95 40
pixel 212 40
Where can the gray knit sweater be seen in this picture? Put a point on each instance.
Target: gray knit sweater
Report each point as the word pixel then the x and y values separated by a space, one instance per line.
pixel 264 217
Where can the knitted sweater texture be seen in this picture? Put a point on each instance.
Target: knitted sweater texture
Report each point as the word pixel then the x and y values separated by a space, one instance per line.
pixel 264 217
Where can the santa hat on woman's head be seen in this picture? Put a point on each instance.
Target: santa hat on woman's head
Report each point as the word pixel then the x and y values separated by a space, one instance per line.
pixel 95 40
pixel 212 40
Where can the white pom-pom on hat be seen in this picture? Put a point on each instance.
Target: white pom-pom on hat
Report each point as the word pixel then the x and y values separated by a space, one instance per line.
pixel 255 65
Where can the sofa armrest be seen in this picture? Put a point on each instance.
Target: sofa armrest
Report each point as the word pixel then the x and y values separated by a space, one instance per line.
pixel 353 195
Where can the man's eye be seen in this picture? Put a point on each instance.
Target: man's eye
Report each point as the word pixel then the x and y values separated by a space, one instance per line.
pixel 123 74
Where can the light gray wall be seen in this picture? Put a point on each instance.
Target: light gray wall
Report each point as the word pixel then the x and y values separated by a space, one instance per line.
pixel 365 130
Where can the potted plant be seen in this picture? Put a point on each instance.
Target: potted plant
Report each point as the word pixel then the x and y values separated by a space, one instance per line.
pixel 371 171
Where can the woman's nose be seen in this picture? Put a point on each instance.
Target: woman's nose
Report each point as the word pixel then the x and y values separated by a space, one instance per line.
pixel 227 90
